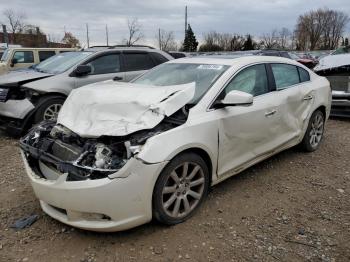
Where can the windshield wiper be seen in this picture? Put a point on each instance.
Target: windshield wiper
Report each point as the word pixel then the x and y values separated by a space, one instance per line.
pixel 39 70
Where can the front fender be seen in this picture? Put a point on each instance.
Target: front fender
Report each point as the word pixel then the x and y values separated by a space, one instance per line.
pixel 167 145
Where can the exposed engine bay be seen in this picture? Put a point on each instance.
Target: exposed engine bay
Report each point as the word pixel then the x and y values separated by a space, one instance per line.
pixel 60 149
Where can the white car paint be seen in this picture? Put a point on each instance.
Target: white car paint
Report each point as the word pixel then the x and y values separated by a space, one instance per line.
pixel 333 61
pixel 234 138
pixel 16 108
pixel 126 109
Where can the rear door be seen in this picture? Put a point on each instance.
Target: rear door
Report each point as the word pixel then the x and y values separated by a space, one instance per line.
pixel 136 63
pixel 103 67
pixel 296 95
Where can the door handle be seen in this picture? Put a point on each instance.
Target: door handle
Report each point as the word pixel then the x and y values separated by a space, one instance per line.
pixel 309 97
pixel 117 78
pixel 267 114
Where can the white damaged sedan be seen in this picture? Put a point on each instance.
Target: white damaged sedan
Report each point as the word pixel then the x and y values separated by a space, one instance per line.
pixel 121 154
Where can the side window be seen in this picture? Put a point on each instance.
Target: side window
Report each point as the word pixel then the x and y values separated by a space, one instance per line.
pixel 105 64
pixel 24 56
pixel 137 61
pixel 285 75
pixel 45 55
pixel 252 80
pixel 158 58
pixel 304 75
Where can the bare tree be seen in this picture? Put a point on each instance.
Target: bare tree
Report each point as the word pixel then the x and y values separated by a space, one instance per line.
pixel 70 40
pixel 15 21
pixel 237 43
pixel 135 33
pixel 334 26
pixel 284 37
pixel 214 41
pixel 320 29
pixel 166 40
pixel 270 40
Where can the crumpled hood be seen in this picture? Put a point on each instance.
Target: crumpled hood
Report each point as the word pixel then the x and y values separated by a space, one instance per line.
pixel 333 61
pixel 118 109
pixel 17 78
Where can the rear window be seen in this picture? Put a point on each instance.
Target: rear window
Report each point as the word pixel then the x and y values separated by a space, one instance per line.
pixel 304 75
pixel 177 55
pixel 137 61
pixel 158 58
pixel 43 55
pixel 285 75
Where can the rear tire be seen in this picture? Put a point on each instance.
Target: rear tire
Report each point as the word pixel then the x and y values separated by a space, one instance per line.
pixel 180 189
pixel 49 109
pixel 314 132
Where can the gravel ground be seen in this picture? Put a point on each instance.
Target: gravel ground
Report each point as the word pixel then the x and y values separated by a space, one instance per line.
pixel 293 207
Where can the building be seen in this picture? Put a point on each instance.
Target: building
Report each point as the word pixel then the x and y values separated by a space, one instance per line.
pixel 31 39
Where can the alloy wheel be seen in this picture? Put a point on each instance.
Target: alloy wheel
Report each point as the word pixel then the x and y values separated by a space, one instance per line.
pixel 316 131
pixel 183 189
pixel 51 112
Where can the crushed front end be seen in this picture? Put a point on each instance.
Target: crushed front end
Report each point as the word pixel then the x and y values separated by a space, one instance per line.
pixel 60 149
pixel 92 183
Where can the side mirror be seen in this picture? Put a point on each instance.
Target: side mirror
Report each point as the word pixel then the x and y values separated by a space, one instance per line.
pixel 13 62
pixel 82 70
pixel 235 98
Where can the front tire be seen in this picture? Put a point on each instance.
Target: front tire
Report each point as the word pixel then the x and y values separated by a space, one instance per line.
pixel 49 109
pixel 314 132
pixel 180 189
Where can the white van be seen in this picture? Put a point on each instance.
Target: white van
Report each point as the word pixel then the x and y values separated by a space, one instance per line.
pixel 24 57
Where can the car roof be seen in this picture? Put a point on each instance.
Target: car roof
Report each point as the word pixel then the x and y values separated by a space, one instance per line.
pixel 112 48
pixel 41 48
pixel 230 60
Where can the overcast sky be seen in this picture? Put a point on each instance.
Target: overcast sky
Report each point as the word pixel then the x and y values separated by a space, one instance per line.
pixel 233 16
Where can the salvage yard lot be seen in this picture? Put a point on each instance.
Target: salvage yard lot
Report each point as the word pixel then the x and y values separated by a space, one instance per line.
pixel 292 207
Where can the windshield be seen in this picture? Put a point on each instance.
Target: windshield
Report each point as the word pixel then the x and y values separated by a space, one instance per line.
pixel 61 62
pixel 204 75
pixel 341 50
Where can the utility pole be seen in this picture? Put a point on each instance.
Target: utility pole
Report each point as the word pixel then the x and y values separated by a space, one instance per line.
pixel 87 35
pixel 160 44
pixel 107 34
pixel 6 36
pixel 185 20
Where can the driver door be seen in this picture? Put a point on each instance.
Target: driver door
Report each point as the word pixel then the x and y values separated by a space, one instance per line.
pixel 103 68
pixel 247 132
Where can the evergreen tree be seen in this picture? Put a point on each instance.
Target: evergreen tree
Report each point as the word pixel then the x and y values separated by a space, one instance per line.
pixel 249 44
pixel 346 41
pixel 190 43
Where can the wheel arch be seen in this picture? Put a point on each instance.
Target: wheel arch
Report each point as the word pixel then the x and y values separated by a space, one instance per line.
pixel 46 96
pixel 322 108
pixel 203 154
